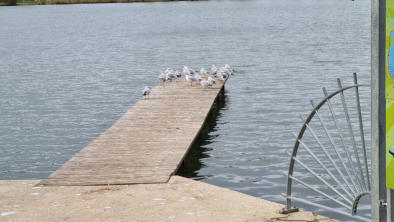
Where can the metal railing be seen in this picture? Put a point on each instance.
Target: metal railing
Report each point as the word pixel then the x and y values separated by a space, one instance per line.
pixel 337 158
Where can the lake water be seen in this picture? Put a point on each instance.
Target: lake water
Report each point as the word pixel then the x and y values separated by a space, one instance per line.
pixel 68 72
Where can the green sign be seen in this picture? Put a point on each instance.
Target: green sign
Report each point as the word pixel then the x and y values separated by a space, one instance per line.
pixel 389 93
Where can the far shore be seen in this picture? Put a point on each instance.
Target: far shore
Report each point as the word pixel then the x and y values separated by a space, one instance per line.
pixel 56 2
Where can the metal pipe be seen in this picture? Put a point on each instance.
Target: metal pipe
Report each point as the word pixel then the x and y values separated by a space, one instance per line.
pixel 320 163
pixel 321 179
pixel 332 162
pixel 357 200
pixel 344 105
pixel 330 209
pixel 378 159
pixel 296 145
pixel 358 186
pixel 320 192
pixel 360 120
pixel 337 152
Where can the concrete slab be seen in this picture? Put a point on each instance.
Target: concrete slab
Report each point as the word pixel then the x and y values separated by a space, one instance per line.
pixel 180 199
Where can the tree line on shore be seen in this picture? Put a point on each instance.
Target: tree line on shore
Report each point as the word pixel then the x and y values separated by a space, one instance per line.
pixel 8 2
pixel 44 2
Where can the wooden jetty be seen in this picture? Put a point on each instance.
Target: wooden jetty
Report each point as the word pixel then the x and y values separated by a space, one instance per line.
pixel 147 144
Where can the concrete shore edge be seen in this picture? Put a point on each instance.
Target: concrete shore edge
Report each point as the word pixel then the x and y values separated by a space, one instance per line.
pixel 181 199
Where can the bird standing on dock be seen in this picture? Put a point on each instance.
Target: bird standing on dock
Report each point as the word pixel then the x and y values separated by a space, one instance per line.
pixel 178 74
pixel 162 77
pixel 146 91
pixel 213 70
pixel 170 74
pixel 197 77
pixel 192 72
pixel 203 71
pixel 190 79
pixel 204 83
pixel 221 76
pixel 227 67
pixel 211 81
pixel 225 72
pixel 186 70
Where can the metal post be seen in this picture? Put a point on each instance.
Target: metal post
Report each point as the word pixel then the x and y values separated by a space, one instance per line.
pixel 390 207
pixel 378 158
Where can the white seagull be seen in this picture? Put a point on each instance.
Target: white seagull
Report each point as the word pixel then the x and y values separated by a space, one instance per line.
pixel 190 79
pixel 177 73
pixel 211 81
pixel 213 70
pixel 203 71
pixel 221 76
pixel 224 71
pixel 192 71
pixel 197 77
pixel 162 77
pixel 170 73
pixel 146 91
pixel 204 83
pixel 186 70
pixel 229 68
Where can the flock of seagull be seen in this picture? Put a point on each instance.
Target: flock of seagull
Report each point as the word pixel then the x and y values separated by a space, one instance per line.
pixel 191 76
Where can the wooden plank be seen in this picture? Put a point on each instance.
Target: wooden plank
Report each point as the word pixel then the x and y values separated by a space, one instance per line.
pixel 145 145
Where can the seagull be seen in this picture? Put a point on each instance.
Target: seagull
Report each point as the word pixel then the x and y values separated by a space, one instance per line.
pixel 177 73
pixel 211 81
pixel 197 77
pixel 146 91
pixel 170 73
pixel 213 70
pixel 224 71
pixel 204 83
pixel 203 71
pixel 221 76
pixel 186 70
pixel 192 71
pixel 229 68
pixel 190 79
pixel 162 77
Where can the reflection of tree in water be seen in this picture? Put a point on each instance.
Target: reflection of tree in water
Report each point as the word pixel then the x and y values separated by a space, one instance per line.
pixel 192 162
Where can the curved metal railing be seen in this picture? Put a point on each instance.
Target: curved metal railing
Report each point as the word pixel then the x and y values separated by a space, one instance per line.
pixel 337 158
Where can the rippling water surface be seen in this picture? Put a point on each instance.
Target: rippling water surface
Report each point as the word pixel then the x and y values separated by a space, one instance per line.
pixel 68 72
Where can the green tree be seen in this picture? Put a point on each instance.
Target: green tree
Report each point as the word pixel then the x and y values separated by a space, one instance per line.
pixel 11 2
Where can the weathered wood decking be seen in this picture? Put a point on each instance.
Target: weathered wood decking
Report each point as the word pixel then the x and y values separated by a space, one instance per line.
pixel 147 144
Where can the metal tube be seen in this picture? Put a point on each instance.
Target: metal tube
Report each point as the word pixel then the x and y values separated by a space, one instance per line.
pixel 378 121
pixel 296 145
pixel 362 182
pixel 390 206
pixel 359 189
pixel 357 200
pixel 339 157
pixel 330 209
pixel 360 119
pixel 321 179
pixel 320 192
pixel 332 162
